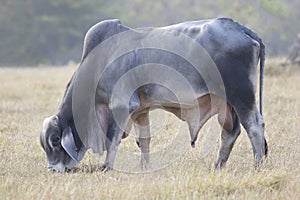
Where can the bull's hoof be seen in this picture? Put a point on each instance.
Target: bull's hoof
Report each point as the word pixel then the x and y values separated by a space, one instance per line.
pixel 258 166
pixel 104 168
pixel 144 165
pixel 220 165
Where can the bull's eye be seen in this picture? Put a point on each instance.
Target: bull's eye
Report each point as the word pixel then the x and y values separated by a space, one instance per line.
pixel 55 140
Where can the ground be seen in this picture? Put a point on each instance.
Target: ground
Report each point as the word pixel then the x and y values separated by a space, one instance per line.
pixel 28 95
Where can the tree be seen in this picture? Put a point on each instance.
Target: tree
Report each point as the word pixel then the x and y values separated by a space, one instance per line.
pixel 44 31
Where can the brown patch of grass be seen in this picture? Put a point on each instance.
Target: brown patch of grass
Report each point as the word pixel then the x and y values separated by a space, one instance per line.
pixel 28 95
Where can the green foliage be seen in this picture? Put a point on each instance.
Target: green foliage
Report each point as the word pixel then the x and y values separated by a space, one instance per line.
pixel 43 31
pixel 39 31
pixel 274 7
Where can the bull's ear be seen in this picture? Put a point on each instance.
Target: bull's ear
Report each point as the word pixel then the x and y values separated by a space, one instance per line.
pixel 68 143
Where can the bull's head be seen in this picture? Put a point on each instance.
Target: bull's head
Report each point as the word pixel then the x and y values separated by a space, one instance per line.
pixel 62 149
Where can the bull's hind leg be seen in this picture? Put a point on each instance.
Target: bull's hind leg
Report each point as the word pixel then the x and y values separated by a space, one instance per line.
pixel 230 131
pixel 254 125
pixel 142 129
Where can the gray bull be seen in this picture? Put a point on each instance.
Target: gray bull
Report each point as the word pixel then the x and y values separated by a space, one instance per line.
pixel 232 49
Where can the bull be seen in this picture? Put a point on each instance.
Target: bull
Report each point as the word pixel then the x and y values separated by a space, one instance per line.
pixel 224 84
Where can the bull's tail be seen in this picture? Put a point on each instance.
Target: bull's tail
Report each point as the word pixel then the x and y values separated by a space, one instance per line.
pixel 254 36
pixel 261 75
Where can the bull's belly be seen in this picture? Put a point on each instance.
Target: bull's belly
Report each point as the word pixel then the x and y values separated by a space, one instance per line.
pixel 202 104
pixel 158 96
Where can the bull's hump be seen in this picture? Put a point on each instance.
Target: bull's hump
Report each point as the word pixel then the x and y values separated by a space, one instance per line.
pixel 100 32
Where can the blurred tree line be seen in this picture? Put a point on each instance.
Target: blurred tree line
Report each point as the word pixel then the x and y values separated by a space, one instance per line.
pixel 51 31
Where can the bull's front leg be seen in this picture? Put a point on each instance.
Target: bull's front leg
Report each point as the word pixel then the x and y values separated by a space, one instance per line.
pixel 113 140
pixel 142 129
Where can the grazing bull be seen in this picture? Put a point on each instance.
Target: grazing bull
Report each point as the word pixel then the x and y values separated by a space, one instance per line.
pixel 231 48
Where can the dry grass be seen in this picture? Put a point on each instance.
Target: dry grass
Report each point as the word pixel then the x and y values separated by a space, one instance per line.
pixel 28 95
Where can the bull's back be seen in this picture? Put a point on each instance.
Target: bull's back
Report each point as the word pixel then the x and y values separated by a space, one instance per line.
pixel 215 35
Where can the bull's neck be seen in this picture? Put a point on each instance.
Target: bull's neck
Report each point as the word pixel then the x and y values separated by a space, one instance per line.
pixel 65 114
pixel 65 110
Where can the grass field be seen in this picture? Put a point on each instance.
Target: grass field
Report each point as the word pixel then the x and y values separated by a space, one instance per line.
pixel 28 95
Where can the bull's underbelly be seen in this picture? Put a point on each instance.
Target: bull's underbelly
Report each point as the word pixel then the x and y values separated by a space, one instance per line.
pixel 206 104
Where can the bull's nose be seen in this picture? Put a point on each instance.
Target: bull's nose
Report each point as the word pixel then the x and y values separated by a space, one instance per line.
pixel 52 169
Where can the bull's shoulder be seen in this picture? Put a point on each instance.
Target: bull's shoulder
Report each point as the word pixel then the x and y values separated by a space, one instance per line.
pixel 100 32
